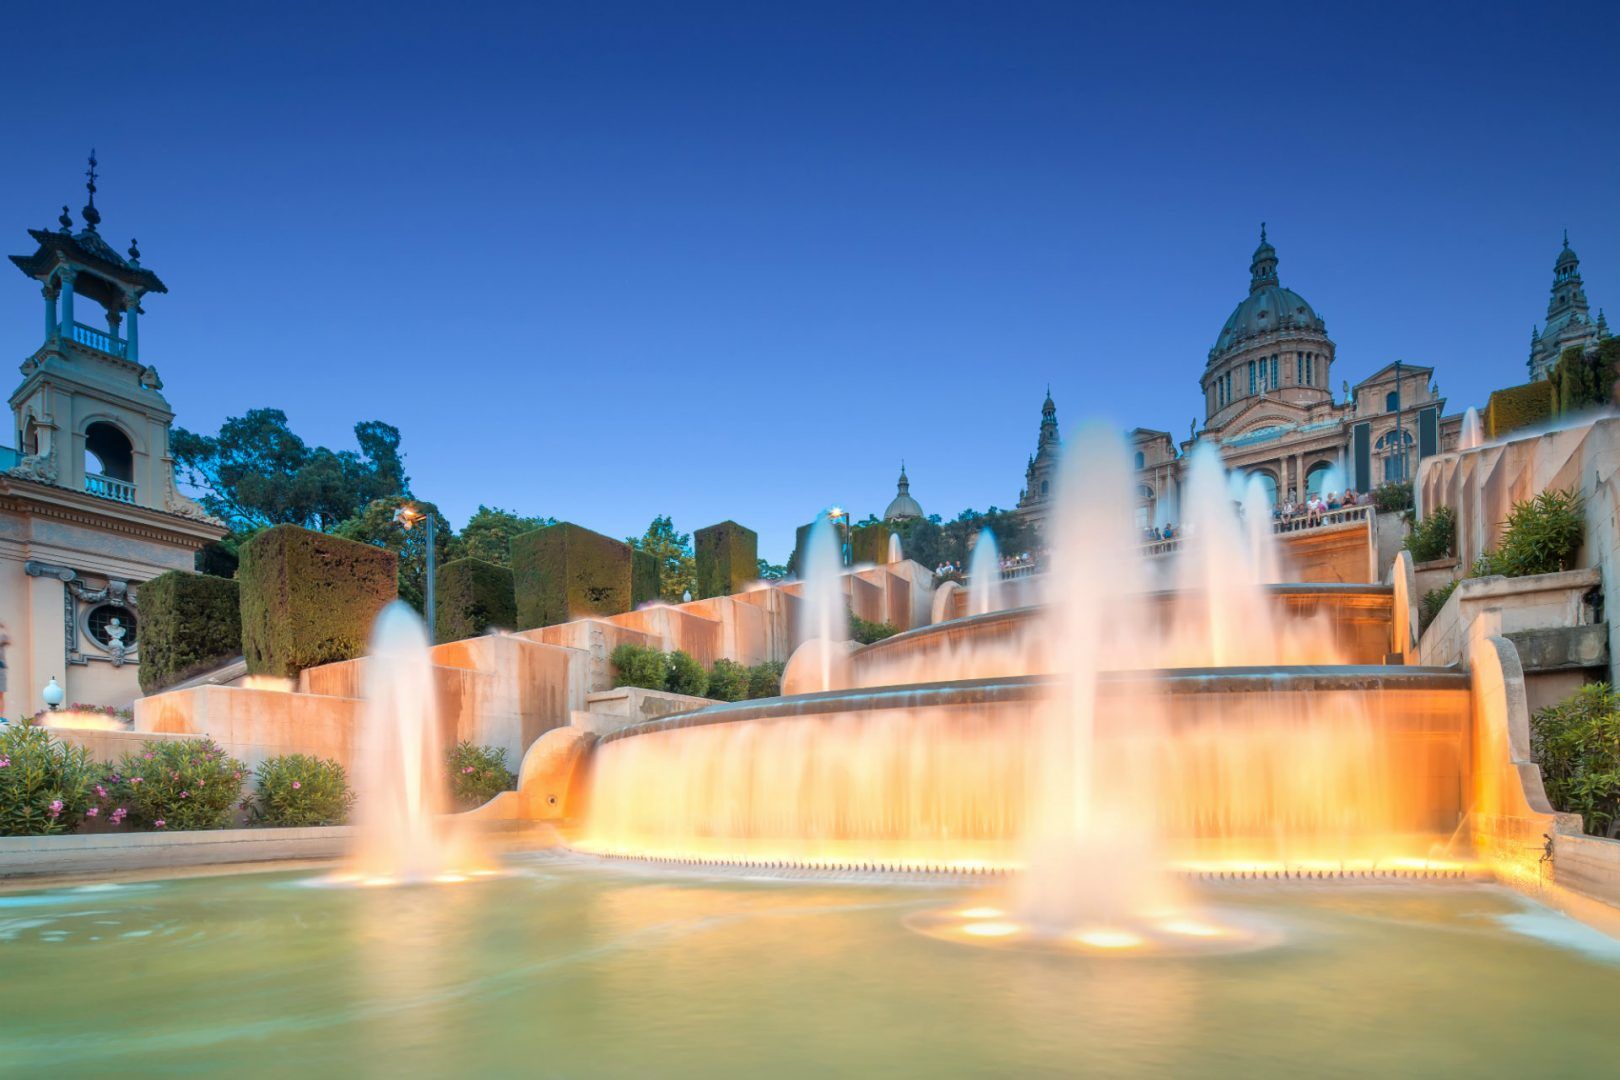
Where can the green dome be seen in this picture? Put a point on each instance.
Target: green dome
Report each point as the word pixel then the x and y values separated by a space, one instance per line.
pixel 1267 308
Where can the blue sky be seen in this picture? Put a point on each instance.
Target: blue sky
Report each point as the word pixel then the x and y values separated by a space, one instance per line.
pixel 610 261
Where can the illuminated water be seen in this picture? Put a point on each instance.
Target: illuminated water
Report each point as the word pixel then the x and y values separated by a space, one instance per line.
pixel 564 971
pixel 984 575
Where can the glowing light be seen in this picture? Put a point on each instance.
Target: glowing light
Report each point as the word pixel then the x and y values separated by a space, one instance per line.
pixel 1191 928
pixel 450 879
pixel 980 913
pixel 378 881
pixel 991 929
pixel 1109 939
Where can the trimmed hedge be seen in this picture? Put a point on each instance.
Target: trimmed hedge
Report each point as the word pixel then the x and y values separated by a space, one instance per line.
pixel 473 596
pixel 1517 407
pixel 309 598
pixel 189 623
pixel 1584 378
pixel 563 572
pixel 870 543
pixel 644 585
pixel 727 559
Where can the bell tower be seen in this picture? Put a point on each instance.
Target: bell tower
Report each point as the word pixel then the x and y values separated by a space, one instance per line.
pixel 89 414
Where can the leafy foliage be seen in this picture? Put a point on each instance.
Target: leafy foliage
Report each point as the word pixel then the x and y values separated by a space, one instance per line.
pixel 375 525
pixel 1393 496
pixel 1434 537
pixel 46 785
pixel 638 665
pixel 563 571
pixel 686 675
pixel 1516 407
pixel 189 623
pixel 769 571
pixel 866 632
pixel 1544 533
pixel 256 471
pixel 473 597
pixel 765 680
pixel 679 673
pixel 677 567
pixel 1577 743
pixel 488 534
pixel 177 784
pixel 1584 378
pixel 309 598
pixel 296 791
pixel 477 774
pixel 728 681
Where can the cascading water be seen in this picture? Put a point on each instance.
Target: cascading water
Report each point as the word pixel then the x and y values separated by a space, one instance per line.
pixel 823 618
pixel 984 575
pixel 400 833
pixel 895 552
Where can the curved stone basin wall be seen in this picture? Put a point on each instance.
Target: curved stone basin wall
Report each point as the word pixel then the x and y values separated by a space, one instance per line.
pixel 1308 624
pixel 1257 767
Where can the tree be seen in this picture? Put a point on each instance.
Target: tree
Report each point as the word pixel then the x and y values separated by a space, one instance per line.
pixel 769 571
pixel 375 525
pixel 677 569
pixel 488 534
pixel 258 472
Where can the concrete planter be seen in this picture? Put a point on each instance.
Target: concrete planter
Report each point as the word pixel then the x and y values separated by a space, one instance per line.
pixel 1538 602
pixel 108 852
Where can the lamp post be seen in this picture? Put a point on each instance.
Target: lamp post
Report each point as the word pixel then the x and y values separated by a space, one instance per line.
pixel 53 694
pixel 408 516
pixel 846 549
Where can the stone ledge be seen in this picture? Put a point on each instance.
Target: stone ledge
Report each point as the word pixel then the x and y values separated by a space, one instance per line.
pixel 1567 648
pixel 92 853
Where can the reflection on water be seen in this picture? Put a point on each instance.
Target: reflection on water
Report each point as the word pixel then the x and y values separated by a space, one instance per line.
pixel 567 970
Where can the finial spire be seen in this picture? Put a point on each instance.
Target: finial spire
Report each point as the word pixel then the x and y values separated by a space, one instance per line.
pixel 1566 237
pixel 92 216
pixel 134 251
pixel 1262 232
pixel 65 220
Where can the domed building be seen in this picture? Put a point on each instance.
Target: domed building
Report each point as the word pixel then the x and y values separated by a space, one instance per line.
pixel 903 507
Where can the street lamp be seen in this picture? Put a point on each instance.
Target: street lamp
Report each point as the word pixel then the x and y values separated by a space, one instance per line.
pixel 846 547
pixel 408 516
pixel 53 694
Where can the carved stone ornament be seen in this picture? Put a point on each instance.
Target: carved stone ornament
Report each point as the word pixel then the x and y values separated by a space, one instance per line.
pixel 41 468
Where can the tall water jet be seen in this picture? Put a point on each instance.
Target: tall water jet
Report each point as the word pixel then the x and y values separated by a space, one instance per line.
pixel 984 575
pixel 1257 530
pixel 1091 856
pixel 895 552
pixel 1473 433
pixel 400 784
pixel 822 609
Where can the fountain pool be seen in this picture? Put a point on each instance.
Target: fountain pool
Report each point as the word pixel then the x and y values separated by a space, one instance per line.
pixel 567 967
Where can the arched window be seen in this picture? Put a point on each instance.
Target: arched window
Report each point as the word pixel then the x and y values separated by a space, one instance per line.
pixel 107 452
pixel 30 438
pixel 1268 482
pixel 1141 459
pixel 1395 451
pixel 1392 401
pixel 1044 485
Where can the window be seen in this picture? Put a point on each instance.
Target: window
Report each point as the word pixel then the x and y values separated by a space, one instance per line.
pixel 1392 401
pixel 1251 377
pixel 107 452
pixel 112 626
pixel 1299 368
pixel 1141 459
pixel 1275 381
pixel 1395 451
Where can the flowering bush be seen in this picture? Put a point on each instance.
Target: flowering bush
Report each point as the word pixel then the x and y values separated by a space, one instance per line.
pixel 123 716
pixel 296 790
pixel 175 784
pixel 46 785
pixel 477 774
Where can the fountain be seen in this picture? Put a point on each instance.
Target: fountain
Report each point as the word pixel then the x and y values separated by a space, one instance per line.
pixel 823 610
pixel 401 835
pixel 1473 434
pixel 895 553
pixel 984 575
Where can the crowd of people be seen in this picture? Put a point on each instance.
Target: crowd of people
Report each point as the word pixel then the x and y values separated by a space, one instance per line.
pixel 1302 515
pixel 954 571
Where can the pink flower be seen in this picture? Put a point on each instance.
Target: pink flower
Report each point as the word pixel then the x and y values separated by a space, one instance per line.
pixel 134 779
pixel 296 785
pixel 92 812
pixel 56 807
pixel 5 763
pixel 159 823
pixel 118 815
pixel 185 794
pixel 101 792
pixel 147 756
pixel 466 769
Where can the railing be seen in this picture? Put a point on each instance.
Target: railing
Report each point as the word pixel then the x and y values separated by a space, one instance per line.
pixel 97 339
pixel 1018 570
pixel 105 487
pixel 1299 523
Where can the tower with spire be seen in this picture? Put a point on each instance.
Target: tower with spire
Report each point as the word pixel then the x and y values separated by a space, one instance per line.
pixel 1569 316
pixel 1040 476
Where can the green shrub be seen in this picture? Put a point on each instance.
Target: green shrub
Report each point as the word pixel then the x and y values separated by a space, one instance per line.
pixel 563 572
pixel 296 791
pixel 727 558
pixel 869 542
pixel 1543 534
pixel 46 785
pixel 644 583
pixel 1434 537
pixel 1394 496
pixel 473 596
pixel 638 665
pixel 765 680
pixel 176 784
pixel 1517 407
pixel 477 774
pixel 1432 602
pixel 686 675
pixel 867 632
pixel 309 598
pixel 189 624
pixel 728 681
pixel 1577 743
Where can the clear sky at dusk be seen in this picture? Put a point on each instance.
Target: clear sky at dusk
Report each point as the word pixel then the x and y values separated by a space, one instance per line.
pixel 609 261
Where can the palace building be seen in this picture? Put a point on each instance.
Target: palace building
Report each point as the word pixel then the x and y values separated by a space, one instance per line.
pixel 1270 407
pixel 88 504
pixel 1569 317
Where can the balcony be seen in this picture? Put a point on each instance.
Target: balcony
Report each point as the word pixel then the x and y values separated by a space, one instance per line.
pixel 105 487
pixel 99 340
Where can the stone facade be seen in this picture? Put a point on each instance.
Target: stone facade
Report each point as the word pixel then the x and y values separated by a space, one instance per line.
pixel 1269 406
pixel 1569 317
pixel 88 504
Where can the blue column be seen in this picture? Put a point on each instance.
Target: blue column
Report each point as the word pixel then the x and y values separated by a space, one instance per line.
pixel 67 302
pixel 132 350
pixel 50 312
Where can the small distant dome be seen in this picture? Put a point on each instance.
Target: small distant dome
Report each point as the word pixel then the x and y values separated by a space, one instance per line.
pixel 1268 306
pixel 903 506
